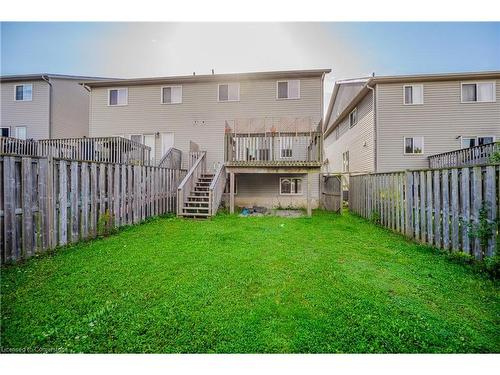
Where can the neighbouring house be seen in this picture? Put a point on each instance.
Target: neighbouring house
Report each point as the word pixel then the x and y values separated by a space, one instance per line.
pixel 262 130
pixel 43 106
pixel 390 123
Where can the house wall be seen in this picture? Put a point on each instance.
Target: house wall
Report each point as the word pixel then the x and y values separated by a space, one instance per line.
pixel 33 114
pixel 264 190
pixel 441 120
pixel 200 117
pixel 358 140
pixel 70 109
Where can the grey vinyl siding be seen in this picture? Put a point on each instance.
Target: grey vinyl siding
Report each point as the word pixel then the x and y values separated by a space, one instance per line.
pixel 70 109
pixel 441 120
pixel 345 94
pixel 264 190
pixel 200 117
pixel 33 114
pixel 358 140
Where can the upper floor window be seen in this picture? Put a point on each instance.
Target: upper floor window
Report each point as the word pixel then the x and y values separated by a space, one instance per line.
pixel 21 132
pixel 353 117
pixel 229 92
pixel 171 94
pixel 413 94
pixel 5 131
pixel 288 89
pixel 414 145
pixel 24 92
pixel 478 92
pixel 476 141
pixel 118 96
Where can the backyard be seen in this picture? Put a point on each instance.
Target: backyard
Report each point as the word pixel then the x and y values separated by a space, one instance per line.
pixel 330 283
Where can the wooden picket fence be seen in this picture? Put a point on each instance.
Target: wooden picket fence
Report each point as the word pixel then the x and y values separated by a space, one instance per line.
pixel 437 207
pixel 47 202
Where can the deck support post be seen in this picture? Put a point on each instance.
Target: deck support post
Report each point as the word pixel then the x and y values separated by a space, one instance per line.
pixel 309 208
pixel 231 192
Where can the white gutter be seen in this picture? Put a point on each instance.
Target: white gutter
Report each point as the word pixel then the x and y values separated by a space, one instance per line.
pixel 47 79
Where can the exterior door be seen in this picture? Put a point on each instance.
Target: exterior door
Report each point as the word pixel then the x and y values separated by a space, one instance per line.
pixel 167 141
pixel 149 140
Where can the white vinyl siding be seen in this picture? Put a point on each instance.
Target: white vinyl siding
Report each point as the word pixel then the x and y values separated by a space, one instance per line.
pixel 229 92
pixel 171 95
pixel 413 94
pixel 473 92
pixel 290 186
pixel 23 93
pixel 117 97
pixel 21 132
pixel 288 89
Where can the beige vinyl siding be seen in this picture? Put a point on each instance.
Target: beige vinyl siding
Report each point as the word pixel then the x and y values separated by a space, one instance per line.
pixel 358 140
pixel 34 114
pixel 441 120
pixel 264 190
pixel 200 117
pixel 70 109
pixel 345 94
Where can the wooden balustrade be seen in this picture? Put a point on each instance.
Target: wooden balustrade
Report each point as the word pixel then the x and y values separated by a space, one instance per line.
pixel 171 159
pixel 464 157
pixel 216 189
pixel 100 149
pixel 272 147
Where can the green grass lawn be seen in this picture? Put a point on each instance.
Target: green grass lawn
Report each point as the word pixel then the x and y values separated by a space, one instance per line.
pixel 236 285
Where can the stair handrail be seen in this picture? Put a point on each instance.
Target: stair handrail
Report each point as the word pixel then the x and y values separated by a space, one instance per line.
pixel 172 159
pixel 188 182
pixel 216 189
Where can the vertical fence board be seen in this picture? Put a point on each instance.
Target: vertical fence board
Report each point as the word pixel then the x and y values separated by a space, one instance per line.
pixel 454 210
pixel 63 203
pixel 75 200
pixel 445 208
pixel 476 207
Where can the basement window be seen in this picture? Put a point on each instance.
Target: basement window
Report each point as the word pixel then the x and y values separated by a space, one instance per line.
pixel 290 186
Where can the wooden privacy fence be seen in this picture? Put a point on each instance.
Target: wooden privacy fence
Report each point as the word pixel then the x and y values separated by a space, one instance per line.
pixel 437 207
pixel 46 202
pixel 331 193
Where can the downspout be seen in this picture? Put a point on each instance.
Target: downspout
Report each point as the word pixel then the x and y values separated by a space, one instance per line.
pixel 47 79
pixel 375 147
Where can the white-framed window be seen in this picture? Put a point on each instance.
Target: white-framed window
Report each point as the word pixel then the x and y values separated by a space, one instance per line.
pixel 23 93
pixel 171 94
pixel 467 142
pixel 20 132
pixel 345 161
pixel 136 138
pixel 288 89
pixel 290 186
pixel 413 94
pixel 286 147
pixel 118 97
pixel 473 92
pixel 5 131
pixel 228 92
pixel 353 117
pixel 413 145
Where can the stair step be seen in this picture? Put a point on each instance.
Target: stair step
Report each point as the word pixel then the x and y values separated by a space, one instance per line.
pixel 198 197
pixel 194 214
pixel 196 204
pixel 195 210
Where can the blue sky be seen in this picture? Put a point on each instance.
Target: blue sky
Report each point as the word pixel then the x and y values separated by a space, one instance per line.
pixel 156 49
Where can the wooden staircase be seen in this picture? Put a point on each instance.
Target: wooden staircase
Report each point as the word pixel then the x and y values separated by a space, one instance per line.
pixel 197 204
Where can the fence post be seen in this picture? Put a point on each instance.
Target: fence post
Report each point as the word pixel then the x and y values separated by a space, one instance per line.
pixel 409 204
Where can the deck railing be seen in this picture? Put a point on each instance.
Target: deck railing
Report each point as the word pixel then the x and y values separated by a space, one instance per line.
pixel 216 189
pixel 100 149
pixel 171 159
pixel 19 147
pixel 273 147
pixel 477 155
pixel 188 183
